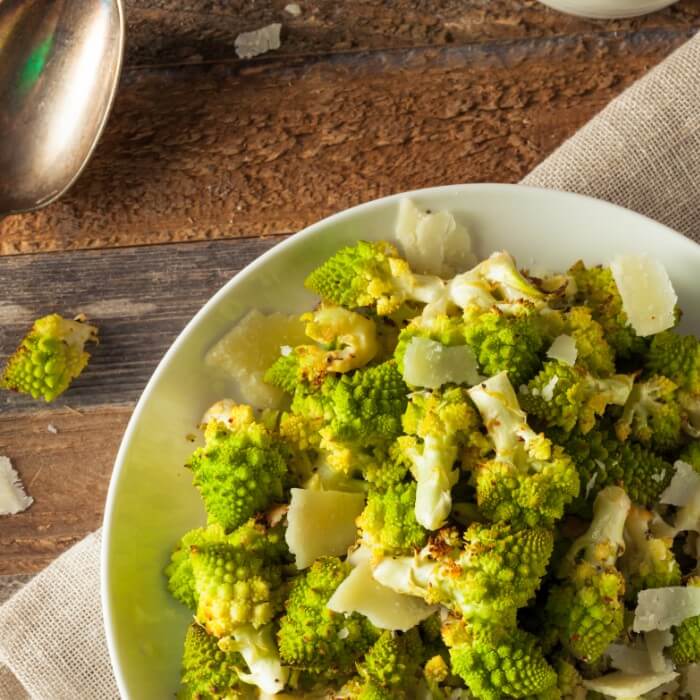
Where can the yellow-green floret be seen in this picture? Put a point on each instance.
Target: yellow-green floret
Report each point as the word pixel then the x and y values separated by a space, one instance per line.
pixel 598 291
pixel 314 638
pixel 676 357
pixel 49 357
pixel 686 637
pixel 593 350
pixel 497 662
pixel 586 611
pixel 505 342
pixel 240 470
pixel 563 396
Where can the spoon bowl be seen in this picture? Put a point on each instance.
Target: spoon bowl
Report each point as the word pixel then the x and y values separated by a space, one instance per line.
pixel 59 67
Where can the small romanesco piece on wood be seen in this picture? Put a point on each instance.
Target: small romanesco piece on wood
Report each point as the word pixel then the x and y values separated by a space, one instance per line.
pixel 49 357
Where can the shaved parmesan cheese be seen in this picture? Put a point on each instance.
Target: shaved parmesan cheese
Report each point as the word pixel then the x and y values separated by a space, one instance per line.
pixel 13 498
pixel 648 297
pixel 321 523
pixel 548 389
pixel 250 347
pixel 260 41
pixel 627 685
pixel 663 608
pixel 657 641
pixel 563 348
pixel 430 364
pixel 293 9
pixel 433 243
pixel 384 608
pixel 628 659
pixel 684 484
pixel 691 681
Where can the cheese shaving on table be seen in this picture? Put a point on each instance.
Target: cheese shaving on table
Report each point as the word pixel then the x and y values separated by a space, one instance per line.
pixel 663 608
pixel 628 685
pixel 648 297
pixel 385 608
pixel 321 523
pixel 563 348
pixel 13 498
pixel 260 41
pixel 433 243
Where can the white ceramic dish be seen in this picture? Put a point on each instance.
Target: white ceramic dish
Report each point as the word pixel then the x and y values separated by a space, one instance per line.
pixel 607 9
pixel 151 501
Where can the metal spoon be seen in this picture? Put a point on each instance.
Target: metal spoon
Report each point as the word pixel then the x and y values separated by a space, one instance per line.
pixel 59 67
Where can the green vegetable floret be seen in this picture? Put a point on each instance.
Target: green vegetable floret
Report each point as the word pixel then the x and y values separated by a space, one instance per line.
pixel 390 670
pixel 648 561
pixel 509 342
pixel 49 357
pixel 691 454
pixel 597 290
pixel 498 662
pixel 316 639
pixel 208 673
pixel 388 523
pixel 486 578
pixel 602 461
pixel 240 470
pixel 529 481
pixel 439 426
pixel 566 397
pixel 586 611
pixel 372 275
pixel 676 357
pixel 240 581
pixel 686 637
pixel 653 415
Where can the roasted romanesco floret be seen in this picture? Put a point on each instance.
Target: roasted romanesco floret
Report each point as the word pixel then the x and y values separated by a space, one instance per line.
pixel 498 662
pixel 314 638
pixel 686 637
pixel 587 609
pixel 240 470
pixel 648 561
pixel 485 578
pixel 565 397
pixel 529 480
pixel 652 415
pixel 598 291
pixel 49 357
pixel 676 357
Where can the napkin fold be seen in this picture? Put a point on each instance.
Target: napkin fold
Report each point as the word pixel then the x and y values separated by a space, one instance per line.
pixel 642 152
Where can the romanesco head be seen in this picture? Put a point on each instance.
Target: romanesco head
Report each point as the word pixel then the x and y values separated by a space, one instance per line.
pixel 594 351
pixel 240 470
pixel 602 461
pixel 563 396
pixel 239 582
pixel 677 357
pixel 388 522
pixel 598 291
pixel 364 275
pixel 286 372
pixel 653 415
pixel 314 638
pixel 208 673
pixel 497 663
pixel 49 357
pixel 686 637
pixel 506 342
pixel 179 570
pixel 648 561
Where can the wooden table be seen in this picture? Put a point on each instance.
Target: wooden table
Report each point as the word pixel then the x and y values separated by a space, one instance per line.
pixel 208 161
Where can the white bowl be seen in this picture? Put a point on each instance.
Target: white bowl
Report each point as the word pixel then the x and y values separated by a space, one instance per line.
pixel 151 501
pixel 607 9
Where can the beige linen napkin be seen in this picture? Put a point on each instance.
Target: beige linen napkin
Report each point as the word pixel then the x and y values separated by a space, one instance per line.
pixel 642 151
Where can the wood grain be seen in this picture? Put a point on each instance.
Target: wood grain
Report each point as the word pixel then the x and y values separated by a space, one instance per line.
pixel 67 474
pixel 140 298
pixel 225 150
pixel 166 31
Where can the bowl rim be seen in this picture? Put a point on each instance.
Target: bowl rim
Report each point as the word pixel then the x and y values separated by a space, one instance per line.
pixel 297 239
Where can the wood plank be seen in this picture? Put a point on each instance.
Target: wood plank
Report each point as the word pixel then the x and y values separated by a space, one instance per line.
pixel 140 298
pixel 67 474
pixel 165 31
pixel 223 150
